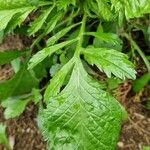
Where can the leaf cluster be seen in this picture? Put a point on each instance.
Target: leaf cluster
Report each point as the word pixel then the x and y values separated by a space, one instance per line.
pixel 79 113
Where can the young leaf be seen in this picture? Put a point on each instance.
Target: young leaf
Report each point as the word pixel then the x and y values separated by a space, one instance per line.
pixel 82 116
pixel 110 62
pixel 14 107
pixel 48 51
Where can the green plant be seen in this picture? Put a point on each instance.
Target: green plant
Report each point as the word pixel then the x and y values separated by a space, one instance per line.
pixel 3 138
pixel 79 114
pixel 140 83
pixel 146 148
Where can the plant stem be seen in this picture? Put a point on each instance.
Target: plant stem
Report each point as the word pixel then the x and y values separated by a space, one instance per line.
pixel 136 47
pixel 25 96
pixel 80 37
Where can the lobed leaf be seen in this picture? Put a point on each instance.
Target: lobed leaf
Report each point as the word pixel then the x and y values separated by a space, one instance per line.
pixel 48 51
pixel 60 34
pixel 110 62
pixel 107 37
pixel 131 8
pixel 63 4
pixel 82 116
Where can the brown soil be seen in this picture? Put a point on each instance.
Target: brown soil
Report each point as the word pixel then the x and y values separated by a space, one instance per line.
pixel 23 133
pixel 135 131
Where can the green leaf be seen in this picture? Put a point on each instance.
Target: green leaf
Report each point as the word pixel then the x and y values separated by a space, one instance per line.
pixel 3 138
pixel 60 34
pixel 17 20
pixel 14 107
pixel 36 95
pixel 131 8
pixel 57 81
pixel 104 9
pixel 42 67
pixel 48 51
pixel 38 23
pixel 6 57
pixel 139 84
pixel 82 116
pixel 13 4
pixel 55 68
pixel 16 64
pixel 21 83
pixel 63 4
pixel 8 10
pixel 110 62
pixel 145 148
pixel 107 37
pixel 52 23
pixel 113 83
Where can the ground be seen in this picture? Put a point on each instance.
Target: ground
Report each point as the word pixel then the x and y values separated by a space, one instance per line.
pixel 23 133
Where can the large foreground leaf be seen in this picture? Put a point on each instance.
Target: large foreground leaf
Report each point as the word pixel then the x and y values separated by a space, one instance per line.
pixel 82 116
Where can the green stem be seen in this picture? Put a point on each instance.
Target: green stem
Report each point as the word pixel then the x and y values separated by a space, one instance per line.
pixel 136 47
pixel 80 37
